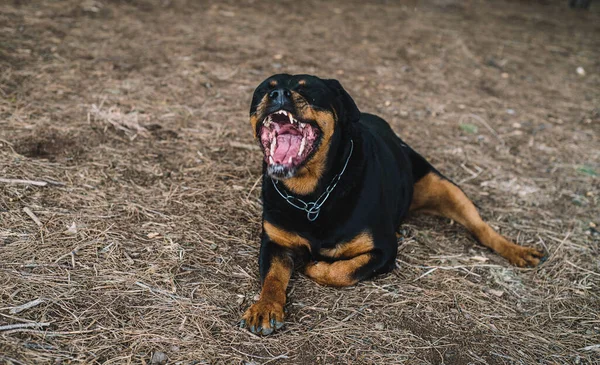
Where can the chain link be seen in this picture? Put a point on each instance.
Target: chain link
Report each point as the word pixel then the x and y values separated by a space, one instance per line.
pixel 313 209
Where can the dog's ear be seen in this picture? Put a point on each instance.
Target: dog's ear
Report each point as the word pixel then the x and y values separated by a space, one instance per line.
pixel 346 108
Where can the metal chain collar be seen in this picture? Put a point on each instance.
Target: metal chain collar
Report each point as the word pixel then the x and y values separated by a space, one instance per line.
pixel 313 209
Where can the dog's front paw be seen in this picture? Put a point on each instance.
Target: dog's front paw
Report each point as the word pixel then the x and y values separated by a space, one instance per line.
pixel 263 317
pixel 526 256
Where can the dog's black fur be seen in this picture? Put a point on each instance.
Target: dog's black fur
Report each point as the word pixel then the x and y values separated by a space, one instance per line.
pixel 373 195
pixel 374 192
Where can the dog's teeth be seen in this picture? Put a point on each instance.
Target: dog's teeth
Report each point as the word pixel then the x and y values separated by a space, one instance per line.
pixel 290 159
pixel 302 125
pixel 302 146
pixel 271 161
pixel 291 118
pixel 273 145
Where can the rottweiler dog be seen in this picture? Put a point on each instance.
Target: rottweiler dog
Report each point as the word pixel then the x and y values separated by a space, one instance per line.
pixel 336 185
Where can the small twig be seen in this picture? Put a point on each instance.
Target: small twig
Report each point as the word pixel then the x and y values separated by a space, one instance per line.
pixel 244 146
pixel 282 356
pixel 10 145
pixel 253 187
pixel 447 267
pixel 19 181
pixel 474 174
pixel 427 273
pixel 485 124
pixel 49 333
pixel 75 251
pixel 54 182
pixel 22 307
pixel 581 268
pixel 32 216
pixel 353 314
pixel 15 318
pixel 503 356
pixel 562 242
pixel 160 291
pixel 590 348
pixel 23 325
pixel 11 360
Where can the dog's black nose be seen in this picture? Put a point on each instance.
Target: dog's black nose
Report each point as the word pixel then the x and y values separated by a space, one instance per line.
pixel 280 96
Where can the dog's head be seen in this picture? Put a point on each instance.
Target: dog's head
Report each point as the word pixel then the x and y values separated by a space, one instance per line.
pixel 295 117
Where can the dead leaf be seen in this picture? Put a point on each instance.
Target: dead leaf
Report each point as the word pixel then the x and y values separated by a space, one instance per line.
pixel 72 230
pixel 479 258
pixel 495 292
pixel 244 146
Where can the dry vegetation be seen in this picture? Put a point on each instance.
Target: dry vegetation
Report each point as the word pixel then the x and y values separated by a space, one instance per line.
pixel 140 240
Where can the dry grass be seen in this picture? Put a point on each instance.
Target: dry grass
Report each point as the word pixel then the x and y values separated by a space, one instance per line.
pixel 132 115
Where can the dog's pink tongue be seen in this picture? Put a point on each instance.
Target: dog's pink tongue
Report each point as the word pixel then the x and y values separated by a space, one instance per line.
pixel 287 146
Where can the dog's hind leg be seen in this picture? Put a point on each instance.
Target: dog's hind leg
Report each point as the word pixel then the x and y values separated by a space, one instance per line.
pixel 357 260
pixel 436 195
pixel 345 272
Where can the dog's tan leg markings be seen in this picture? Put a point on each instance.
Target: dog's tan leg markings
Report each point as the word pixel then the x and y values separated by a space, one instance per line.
pixel 338 273
pixel 266 314
pixel 435 195
pixel 284 238
pixel 356 254
pixel 359 245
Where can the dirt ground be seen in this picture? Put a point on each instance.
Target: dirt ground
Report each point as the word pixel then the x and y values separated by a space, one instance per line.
pixel 139 240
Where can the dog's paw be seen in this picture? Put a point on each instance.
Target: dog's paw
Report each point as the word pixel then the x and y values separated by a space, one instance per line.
pixel 526 256
pixel 319 272
pixel 263 317
pixel 315 270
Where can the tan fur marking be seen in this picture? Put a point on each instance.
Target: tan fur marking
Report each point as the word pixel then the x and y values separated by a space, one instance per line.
pixel 338 273
pixel 276 282
pixel 302 82
pixel 260 109
pixel 359 245
pixel 254 122
pixel 285 238
pixel 272 297
pixel 438 196
pixel 273 83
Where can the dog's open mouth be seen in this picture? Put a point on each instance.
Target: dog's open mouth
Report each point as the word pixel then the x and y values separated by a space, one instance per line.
pixel 287 142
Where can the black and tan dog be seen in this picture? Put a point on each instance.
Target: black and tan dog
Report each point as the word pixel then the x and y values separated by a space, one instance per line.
pixel 336 185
